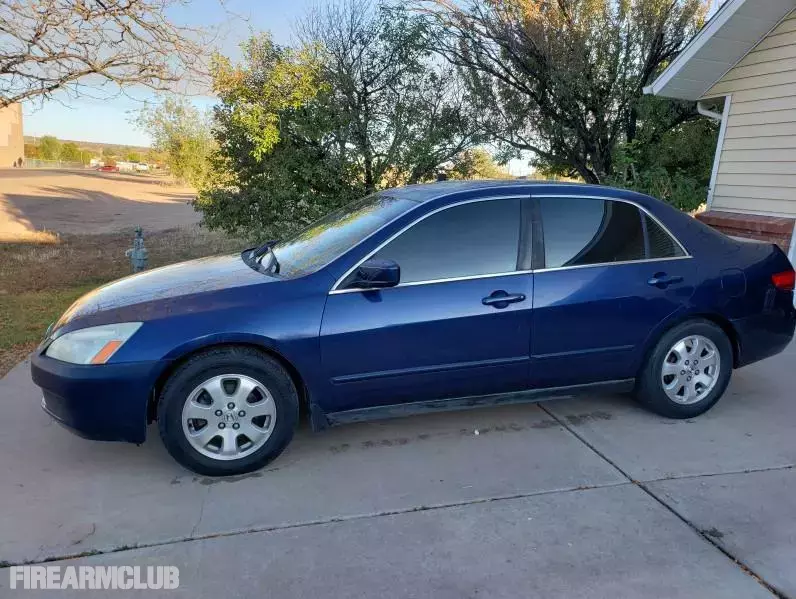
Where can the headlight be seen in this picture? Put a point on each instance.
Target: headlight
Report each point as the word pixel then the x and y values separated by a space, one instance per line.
pixel 94 345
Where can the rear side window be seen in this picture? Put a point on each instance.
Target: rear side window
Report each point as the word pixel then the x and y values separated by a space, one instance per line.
pixel 478 238
pixel 579 231
pixel 661 243
pixel 583 231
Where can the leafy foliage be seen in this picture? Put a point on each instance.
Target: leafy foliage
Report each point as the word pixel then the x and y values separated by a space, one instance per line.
pixel 360 105
pixel 672 164
pixel 400 111
pixel 562 79
pixel 71 152
pixel 132 155
pixel 374 96
pixel 276 167
pixel 476 164
pixel 182 134
pixel 49 148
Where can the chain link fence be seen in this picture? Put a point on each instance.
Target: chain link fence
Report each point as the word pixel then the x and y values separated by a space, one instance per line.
pixel 38 163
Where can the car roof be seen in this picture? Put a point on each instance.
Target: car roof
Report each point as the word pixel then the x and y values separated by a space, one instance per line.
pixel 429 191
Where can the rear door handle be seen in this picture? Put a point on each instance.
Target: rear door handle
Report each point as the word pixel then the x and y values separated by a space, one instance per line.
pixel 501 299
pixel 661 280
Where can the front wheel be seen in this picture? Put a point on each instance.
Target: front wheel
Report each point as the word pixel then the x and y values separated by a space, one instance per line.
pixel 688 371
pixel 227 411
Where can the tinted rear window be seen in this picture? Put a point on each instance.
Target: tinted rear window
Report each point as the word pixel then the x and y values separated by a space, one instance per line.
pixel 581 231
pixel 660 242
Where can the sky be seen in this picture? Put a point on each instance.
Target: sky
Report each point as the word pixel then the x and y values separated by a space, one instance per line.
pixel 108 121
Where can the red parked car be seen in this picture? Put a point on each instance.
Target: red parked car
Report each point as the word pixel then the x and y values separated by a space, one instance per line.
pixel 108 169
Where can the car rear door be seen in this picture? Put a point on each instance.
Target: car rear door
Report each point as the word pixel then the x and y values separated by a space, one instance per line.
pixel 607 274
pixel 458 323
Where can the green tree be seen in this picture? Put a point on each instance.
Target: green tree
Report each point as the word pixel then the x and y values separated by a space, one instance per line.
pixel 70 152
pixel 671 164
pixel 181 132
pixel 476 164
pixel 399 110
pixel 49 148
pixel 154 157
pixel 361 104
pixel 563 80
pixel 278 165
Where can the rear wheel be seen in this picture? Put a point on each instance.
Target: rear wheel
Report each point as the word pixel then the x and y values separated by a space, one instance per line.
pixel 227 411
pixel 688 371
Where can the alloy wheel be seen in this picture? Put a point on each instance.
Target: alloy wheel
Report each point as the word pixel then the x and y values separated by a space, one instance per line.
pixel 228 417
pixel 691 369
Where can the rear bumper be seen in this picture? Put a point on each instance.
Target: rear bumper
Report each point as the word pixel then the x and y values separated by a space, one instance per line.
pixel 764 335
pixel 104 403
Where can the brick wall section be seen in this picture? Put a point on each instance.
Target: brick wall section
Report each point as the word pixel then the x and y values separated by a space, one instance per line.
pixel 775 229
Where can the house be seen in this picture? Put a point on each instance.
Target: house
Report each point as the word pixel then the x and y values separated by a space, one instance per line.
pixel 741 69
pixel 12 145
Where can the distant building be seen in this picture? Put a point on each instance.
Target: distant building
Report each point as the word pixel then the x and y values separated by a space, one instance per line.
pixel 12 146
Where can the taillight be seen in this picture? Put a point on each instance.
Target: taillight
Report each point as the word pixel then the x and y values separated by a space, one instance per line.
pixel 784 280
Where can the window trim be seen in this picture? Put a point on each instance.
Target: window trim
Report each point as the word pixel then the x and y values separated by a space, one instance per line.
pixel 642 210
pixel 522 198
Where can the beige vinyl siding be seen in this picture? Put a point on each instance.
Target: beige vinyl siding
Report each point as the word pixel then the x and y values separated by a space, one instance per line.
pixel 757 167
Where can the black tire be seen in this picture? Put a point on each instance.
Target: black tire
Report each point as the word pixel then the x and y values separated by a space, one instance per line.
pixel 650 388
pixel 217 362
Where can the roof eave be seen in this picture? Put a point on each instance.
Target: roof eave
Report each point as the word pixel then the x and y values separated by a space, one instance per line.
pixel 725 12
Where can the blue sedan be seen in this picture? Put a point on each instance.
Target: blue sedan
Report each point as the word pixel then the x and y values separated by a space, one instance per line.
pixel 425 298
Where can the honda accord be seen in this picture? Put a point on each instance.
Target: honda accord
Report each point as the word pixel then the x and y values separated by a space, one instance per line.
pixel 423 298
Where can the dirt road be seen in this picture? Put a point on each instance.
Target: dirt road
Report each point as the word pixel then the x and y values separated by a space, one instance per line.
pixel 63 201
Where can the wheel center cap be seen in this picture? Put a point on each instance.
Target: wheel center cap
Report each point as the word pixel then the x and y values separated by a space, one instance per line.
pixel 230 417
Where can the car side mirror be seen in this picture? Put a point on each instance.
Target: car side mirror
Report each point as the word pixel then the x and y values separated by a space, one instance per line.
pixel 376 273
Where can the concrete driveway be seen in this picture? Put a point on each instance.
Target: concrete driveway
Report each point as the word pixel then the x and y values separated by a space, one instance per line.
pixel 574 498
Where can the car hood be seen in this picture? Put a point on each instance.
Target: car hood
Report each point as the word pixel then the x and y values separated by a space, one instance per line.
pixel 169 282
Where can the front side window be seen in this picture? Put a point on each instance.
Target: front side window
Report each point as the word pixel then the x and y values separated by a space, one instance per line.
pixel 477 238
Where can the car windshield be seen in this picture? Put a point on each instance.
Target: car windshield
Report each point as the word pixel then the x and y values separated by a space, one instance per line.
pixel 334 234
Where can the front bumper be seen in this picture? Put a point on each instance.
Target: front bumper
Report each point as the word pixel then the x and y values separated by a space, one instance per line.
pixel 105 403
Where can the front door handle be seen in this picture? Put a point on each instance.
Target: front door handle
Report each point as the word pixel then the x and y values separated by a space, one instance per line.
pixel 661 280
pixel 501 299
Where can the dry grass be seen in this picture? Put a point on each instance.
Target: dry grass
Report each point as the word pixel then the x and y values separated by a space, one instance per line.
pixel 41 237
pixel 38 281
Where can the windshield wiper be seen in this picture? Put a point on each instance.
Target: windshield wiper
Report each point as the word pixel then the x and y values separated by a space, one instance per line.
pixel 259 252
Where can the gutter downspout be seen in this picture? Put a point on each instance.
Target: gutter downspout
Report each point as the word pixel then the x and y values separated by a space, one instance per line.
pixel 716 116
pixel 722 117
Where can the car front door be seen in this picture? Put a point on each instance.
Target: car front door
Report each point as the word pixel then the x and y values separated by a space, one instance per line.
pixel 608 274
pixel 457 324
